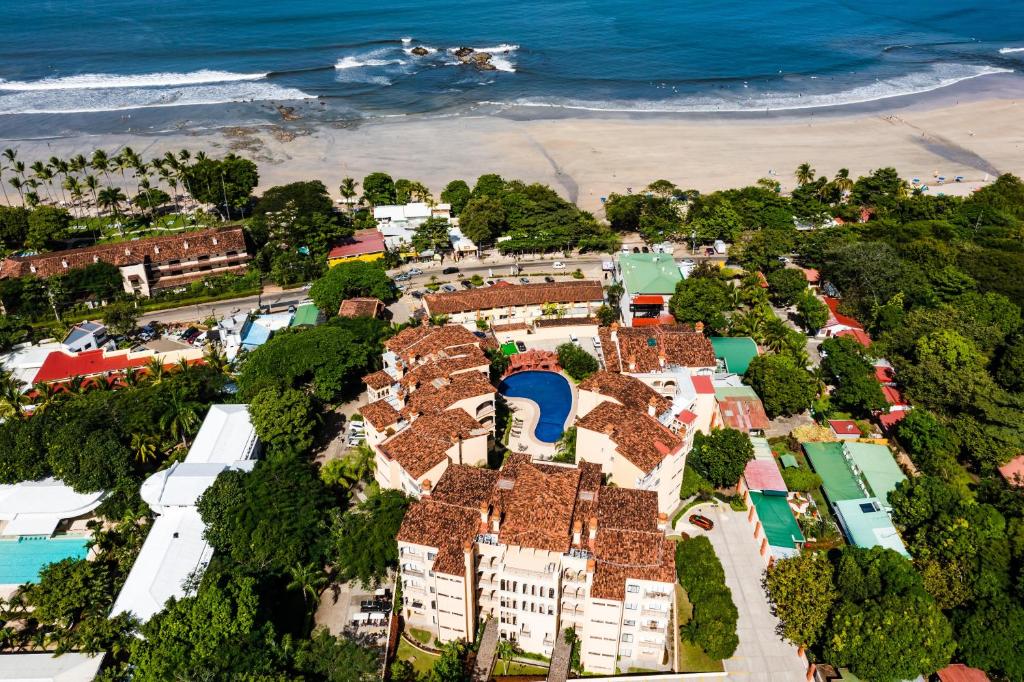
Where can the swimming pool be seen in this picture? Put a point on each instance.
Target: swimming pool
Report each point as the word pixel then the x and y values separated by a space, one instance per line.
pixel 552 394
pixel 21 559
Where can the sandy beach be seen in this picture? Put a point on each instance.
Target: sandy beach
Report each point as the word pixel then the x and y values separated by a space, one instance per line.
pixel 586 158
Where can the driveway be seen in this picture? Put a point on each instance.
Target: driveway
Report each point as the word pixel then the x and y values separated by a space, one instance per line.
pixel 762 656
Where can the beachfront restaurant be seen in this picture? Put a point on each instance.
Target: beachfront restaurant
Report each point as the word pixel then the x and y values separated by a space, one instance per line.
pixel 42 522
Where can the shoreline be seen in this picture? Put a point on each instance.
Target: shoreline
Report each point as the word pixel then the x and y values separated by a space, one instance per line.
pixel 586 155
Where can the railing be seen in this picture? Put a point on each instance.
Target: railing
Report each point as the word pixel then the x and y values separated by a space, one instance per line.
pixel 487 539
pixel 529 573
pixel 660 629
pixel 412 571
pixel 656 595
pixel 654 612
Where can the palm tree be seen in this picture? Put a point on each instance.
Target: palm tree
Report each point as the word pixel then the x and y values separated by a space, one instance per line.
pixel 347 190
pixel 110 198
pixel 747 323
pixel 101 163
pixel 12 399
pixel 181 418
pixel 74 188
pixel 308 579
pixel 842 181
pixel 217 361
pixel 43 174
pixel 775 334
pixel 155 370
pixel 804 174
pixel 507 649
pixel 45 395
pixel 3 167
pixel 130 377
pixel 17 184
pixel 182 367
pixel 144 447
pixel 92 184
pixel 76 385
pixel 60 170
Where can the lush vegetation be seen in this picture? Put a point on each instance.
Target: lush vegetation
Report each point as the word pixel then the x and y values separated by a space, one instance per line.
pixel 720 456
pixel 351 280
pixel 577 363
pixel 713 624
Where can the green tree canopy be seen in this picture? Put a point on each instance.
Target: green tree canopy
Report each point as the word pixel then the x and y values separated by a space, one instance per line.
pixel 456 193
pixel 786 285
pixel 784 387
pixel 847 367
pixel 363 540
pixel 284 420
pixel 231 179
pixel 577 363
pixel 721 456
pixel 801 592
pixel 432 235
pixel 482 219
pixel 379 189
pixel 47 225
pixel 349 280
pixel 702 299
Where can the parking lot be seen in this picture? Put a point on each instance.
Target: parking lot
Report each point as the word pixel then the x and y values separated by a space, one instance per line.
pixel 349 608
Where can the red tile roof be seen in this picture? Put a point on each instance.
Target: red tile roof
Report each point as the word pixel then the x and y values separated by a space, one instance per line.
pixel 858 335
pixel 844 427
pixel 884 374
pixel 361 243
pixel 893 396
pixel 61 364
pixel 1013 471
pixel 378 380
pixel 626 390
pixel 380 414
pixel 763 474
pixel 891 419
pixel 639 438
pixel 744 414
pixel 811 275
pixel 833 306
pixel 687 417
pixel 422 445
pixel 150 250
pixel 651 349
pixel 440 394
pixel 649 299
pixel 703 383
pixel 653 321
pixel 361 307
pixel 488 298
pixel 958 672
pixel 415 344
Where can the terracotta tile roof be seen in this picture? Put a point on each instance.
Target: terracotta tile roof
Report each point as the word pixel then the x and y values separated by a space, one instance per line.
pixel 487 298
pixel 415 344
pixel 378 380
pixel 893 396
pixel 422 445
pixel 958 672
pixel 537 506
pixel 642 350
pixel 885 374
pixel 465 485
pixel 743 414
pixel 623 554
pixel 361 307
pixel 811 275
pixel 182 246
pixel 361 243
pixel 445 367
pixel 511 327
pixel 628 509
pixel 638 437
pixel 838 317
pixel 566 322
pixel 609 350
pixel 380 414
pixel 626 390
pixel 441 525
pixel 440 394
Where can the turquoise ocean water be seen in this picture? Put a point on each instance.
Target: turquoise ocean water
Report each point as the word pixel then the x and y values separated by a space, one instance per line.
pixel 108 65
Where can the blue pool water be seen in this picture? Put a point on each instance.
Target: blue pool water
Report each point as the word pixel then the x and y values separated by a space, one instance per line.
pixel 21 560
pixel 550 391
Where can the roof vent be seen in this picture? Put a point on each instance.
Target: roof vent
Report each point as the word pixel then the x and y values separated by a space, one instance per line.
pixel 185 244
pixel 587 495
pixel 506 483
pixel 651 341
pixel 156 249
pixel 215 241
pixel 64 262
pixel 32 268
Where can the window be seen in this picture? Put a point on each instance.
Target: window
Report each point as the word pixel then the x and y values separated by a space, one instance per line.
pixel 631 606
pixel 626 637
pixel 632 588
pixel 628 623
pixel 431 555
pixel 626 653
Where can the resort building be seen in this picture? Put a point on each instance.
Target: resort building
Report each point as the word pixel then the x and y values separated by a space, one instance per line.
pixel 741 409
pixel 431 404
pixel 41 522
pixel 24 361
pixel 175 550
pixel 662 350
pixel 398 223
pixel 100 364
pixel 650 281
pixel 540 548
pixel 361 307
pixel 87 336
pixel 146 265
pixel 504 303
pixel 364 245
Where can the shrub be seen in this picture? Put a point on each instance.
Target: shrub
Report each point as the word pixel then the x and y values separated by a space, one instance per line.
pixel 801 480
pixel 713 624
pixel 694 484
pixel 577 363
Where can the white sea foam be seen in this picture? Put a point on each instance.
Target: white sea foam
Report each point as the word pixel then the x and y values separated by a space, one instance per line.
pixel 430 50
pixel 939 76
pixel 1010 50
pixel 406 41
pixel 119 99
pixel 105 81
pixel 357 62
pixel 500 56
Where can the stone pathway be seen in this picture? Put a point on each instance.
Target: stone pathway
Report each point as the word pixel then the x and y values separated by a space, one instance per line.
pixel 486 653
pixel 559 670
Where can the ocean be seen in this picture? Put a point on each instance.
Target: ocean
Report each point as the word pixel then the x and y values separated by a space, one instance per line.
pixel 124 65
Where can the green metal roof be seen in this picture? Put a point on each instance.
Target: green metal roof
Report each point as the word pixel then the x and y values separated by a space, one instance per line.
pixel 828 461
pixel 789 461
pixel 722 392
pixel 877 466
pixel 777 519
pixel 737 352
pixel 649 273
pixel 307 314
pixel 868 525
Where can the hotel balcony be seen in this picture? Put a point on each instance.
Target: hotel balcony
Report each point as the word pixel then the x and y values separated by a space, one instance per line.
pixel 657 613
pixel 653 627
pixel 415 589
pixel 413 572
pixel 548 574
pixel 657 595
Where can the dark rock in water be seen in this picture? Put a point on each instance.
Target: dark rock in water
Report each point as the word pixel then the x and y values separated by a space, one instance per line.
pixel 481 57
pixel 463 53
pixel 486 66
pixel 419 51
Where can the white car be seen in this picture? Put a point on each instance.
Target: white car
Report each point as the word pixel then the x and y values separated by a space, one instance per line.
pixel 575 339
pixel 597 343
pixel 558 265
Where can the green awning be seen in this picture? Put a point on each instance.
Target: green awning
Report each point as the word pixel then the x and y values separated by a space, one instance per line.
pixel 777 519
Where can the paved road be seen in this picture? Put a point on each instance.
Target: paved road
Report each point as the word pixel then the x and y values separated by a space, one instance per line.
pixel 277 300
pixel 762 655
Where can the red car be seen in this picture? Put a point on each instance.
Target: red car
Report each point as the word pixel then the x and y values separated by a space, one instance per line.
pixel 702 521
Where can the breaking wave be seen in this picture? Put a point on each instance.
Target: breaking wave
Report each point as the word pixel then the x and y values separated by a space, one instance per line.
pixel 103 81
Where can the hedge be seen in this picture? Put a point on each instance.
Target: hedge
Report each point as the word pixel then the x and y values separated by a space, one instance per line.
pixel 713 625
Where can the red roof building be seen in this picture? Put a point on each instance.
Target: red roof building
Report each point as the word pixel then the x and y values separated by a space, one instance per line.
pixel 703 384
pixel 885 374
pixel 859 335
pixel 649 299
pixel 811 275
pixel 653 321
pixel 763 474
pixel 837 318
pixel 888 420
pixel 844 428
pixel 61 365
pixel 744 414
pixel 958 672
pixel 360 245
pixel 894 397
pixel 1013 471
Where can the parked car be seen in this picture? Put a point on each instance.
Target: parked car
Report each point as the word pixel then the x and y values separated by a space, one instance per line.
pixel 549 279
pixel 416 294
pixel 702 521
pixel 466 284
pixel 449 271
pixel 521 346
pixel 597 343
pixel 480 335
pixel 412 272
pixel 575 339
pixel 448 288
pixel 403 277
pixel 558 265
pixel 189 334
pixel 709 251
pixel 524 280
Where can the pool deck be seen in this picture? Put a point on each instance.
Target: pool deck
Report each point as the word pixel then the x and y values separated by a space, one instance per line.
pixel 529 412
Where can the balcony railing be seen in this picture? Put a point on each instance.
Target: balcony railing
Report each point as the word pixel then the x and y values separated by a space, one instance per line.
pixel 654 612
pixel 412 571
pixel 656 595
pixel 660 629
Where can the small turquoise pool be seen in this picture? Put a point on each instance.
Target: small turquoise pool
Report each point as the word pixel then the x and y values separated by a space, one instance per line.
pixel 552 394
pixel 21 559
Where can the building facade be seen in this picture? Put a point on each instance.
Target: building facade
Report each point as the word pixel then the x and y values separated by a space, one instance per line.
pixel 541 548
pixel 504 303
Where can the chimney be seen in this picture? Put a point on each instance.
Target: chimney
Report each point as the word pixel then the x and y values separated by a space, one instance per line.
pixel 661 359
pixel 426 487
pixel 496 523
pixel 652 407
pixel 615 333
pixel 593 531
pixel 699 327
pixel 632 363
pixel 591 565
pixel 609 429
pixel 577 532
pixel 483 517
pixel 662 521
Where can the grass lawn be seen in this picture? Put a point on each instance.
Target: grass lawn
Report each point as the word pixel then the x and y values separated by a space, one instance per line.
pixel 516 668
pixel 692 658
pixel 421 636
pixel 421 662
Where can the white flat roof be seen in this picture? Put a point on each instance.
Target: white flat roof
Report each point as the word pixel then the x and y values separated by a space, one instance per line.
pixel 31 507
pixel 174 550
pixel 182 484
pixel 24 362
pixel 69 667
pixel 225 437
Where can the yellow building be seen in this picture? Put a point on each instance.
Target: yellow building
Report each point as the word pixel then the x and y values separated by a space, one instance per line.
pixel 364 245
